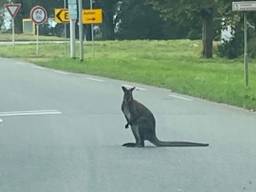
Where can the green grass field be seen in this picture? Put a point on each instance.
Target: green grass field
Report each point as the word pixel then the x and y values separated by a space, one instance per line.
pixel 173 64
pixel 28 37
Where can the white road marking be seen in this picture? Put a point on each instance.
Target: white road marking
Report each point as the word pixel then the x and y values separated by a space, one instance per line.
pixel 38 67
pixel 60 72
pixel 94 79
pixel 1 120
pixel 137 88
pixel 29 113
pixel 180 97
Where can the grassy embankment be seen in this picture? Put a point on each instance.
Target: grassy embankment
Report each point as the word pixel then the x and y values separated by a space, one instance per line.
pixel 174 64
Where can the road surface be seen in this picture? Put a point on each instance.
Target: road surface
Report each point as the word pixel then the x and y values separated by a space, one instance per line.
pixel 62 132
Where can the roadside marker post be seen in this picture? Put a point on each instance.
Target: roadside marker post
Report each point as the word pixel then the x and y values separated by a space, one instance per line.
pixel 244 6
pixel 13 9
pixel 38 15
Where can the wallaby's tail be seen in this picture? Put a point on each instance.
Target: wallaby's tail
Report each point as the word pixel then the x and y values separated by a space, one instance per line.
pixel 159 143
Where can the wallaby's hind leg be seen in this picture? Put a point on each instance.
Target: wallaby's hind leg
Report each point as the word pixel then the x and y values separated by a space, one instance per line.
pixel 129 145
pixel 138 138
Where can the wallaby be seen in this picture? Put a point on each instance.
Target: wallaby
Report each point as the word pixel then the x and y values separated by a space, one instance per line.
pixel 142 123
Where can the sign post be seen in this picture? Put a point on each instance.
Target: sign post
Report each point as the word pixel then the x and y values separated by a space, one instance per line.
pixel 72 8
pixel 86 16
pixel 13 9
pixel 92 32
pixel 39 16
pixel 245 6
pixel 81 31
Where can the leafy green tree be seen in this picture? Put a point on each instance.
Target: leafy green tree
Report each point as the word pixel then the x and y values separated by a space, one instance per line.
pixel 26 6
pixel 207 12
pixel 135 20
pixel 108 25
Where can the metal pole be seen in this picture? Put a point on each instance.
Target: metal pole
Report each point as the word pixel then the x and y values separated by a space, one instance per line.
pixel 91 24
pixel 246 73
pixel 72 38
pixel 92 33
pixel 13 32
pixel 37 39
pixel 65 28
pixel 81 31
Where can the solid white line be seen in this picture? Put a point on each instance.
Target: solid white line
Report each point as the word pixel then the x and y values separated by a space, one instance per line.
pixel 138 88
pixel 29 113
pixel 94 79
pixel 180 97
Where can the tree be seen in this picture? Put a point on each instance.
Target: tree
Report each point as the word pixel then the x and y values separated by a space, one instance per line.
pixel 184 11
pixel 26 6
pixel 108 17
pixel 135 20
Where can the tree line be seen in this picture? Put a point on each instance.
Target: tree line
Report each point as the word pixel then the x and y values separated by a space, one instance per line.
pixel 159 19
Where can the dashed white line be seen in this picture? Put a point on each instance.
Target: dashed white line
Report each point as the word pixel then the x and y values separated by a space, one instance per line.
pixel 1 120
pixel 180 97
pixel 29 113
pixel 94 79
pixel 137 88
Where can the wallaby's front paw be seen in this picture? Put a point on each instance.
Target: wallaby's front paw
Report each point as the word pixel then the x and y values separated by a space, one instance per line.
pixel 127 125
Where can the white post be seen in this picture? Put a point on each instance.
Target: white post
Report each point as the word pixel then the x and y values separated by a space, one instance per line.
pixel 13 32
pixel 81 31
pixel 91 24
pixel 92 33
pixel 246 68
pixel 37 39
pixel 72 38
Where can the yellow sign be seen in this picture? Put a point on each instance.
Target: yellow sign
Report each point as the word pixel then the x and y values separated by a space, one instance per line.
pixel 92 16
pixel 61 16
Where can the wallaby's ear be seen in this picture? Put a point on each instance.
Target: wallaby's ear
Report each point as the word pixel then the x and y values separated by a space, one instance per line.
pixel 124 88
pixel 132 89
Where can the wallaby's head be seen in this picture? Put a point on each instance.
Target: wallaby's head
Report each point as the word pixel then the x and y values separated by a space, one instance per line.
pixel 128 93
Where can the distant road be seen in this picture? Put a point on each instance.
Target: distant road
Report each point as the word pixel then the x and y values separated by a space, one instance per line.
pixel 62 132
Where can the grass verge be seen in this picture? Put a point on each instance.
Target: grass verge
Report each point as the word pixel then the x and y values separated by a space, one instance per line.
pixel 174 64
pixel 28 37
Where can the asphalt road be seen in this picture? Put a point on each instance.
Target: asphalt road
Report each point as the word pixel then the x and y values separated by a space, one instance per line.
pixel 62 132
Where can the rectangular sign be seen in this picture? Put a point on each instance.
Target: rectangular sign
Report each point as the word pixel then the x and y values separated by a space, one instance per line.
pixel 92 16
pixel 61 16
pixel 244 6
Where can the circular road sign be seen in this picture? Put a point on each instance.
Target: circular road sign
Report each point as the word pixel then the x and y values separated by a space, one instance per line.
pixel 38 14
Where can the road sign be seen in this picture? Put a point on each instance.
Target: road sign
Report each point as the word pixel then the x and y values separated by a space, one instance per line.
pixel 244 6
pixel 13 9
pixel 38 14
pixel 61 15
pixel 92 16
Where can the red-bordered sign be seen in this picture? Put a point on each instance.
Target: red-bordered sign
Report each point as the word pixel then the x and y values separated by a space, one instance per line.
pixel 38 14
pixel 13 8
